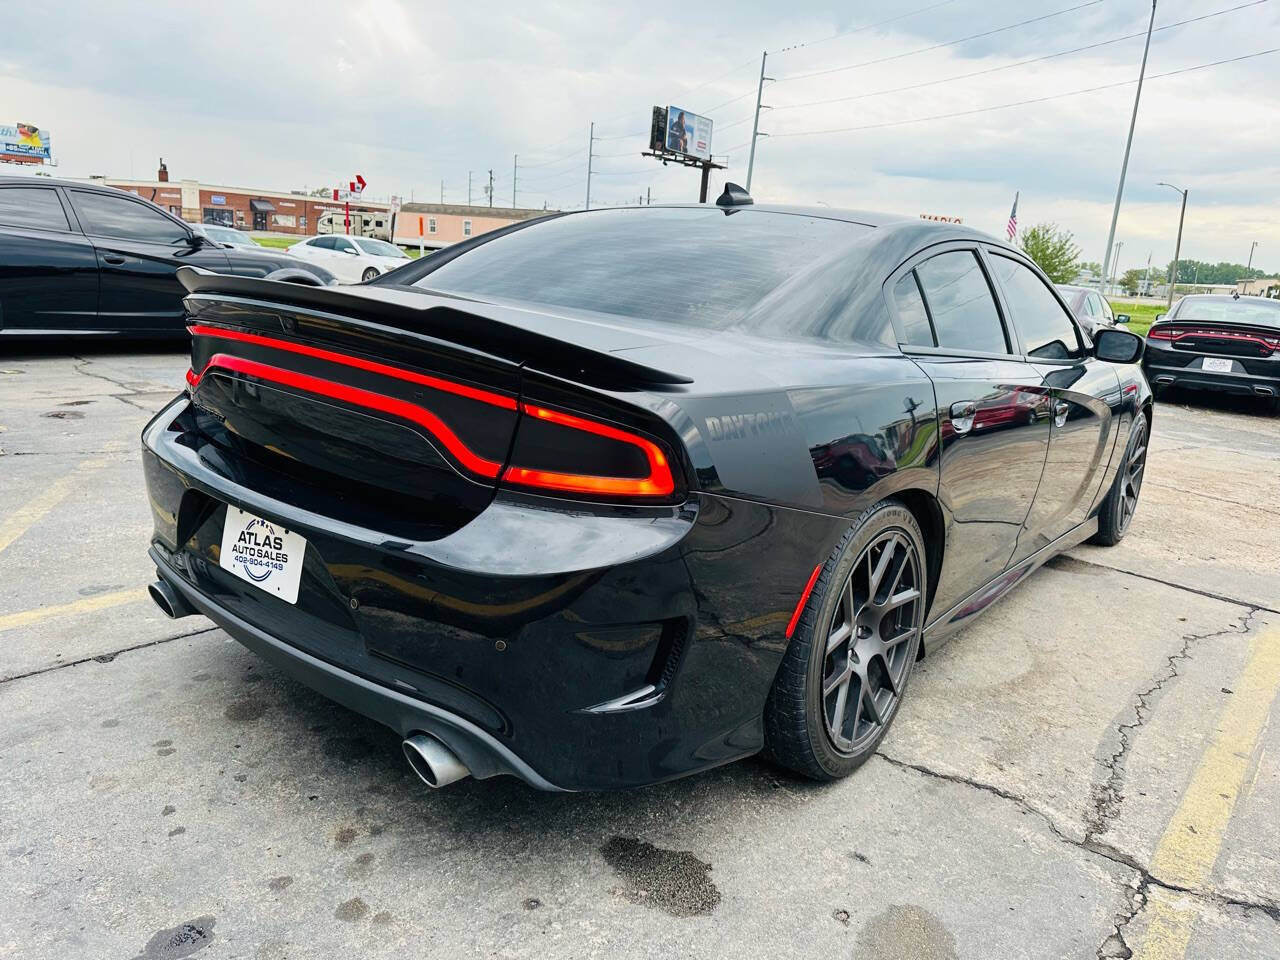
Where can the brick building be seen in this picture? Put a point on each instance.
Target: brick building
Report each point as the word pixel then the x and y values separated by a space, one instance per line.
pixel 262 210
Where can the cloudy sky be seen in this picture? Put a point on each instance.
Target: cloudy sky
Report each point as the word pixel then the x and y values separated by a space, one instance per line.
pixel 291 95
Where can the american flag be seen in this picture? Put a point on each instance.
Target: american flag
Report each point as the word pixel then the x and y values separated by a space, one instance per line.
pixel 1012 227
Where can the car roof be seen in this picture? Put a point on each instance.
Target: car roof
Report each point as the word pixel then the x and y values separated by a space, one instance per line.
pixel 1227 298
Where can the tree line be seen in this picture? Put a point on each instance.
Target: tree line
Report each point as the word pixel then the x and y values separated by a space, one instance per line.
pixel 1058 255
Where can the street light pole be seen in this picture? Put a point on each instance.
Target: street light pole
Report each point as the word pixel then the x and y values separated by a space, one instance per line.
pixel 1128 144
pixel 591 147
pixel 1177 250
pixel 1253 246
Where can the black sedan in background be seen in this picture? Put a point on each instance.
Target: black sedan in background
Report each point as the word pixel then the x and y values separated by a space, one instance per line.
pixel 1228 344
pixel 1090 308
pixel 79 258
pixel 611 497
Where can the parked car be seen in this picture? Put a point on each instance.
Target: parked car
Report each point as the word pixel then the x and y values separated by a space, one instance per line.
pixel 1229 344
pixel 352 259
pixel 1090 308
pixel 228 237
pixel 611 497
pixel 86 259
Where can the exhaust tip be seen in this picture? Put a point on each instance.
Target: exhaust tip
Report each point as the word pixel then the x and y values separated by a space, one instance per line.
pixel 168 600
pixel 433 762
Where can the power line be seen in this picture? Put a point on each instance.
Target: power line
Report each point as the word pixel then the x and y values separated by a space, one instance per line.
pixel 1021 103
pixel 869 26
pixel 939 46
pixel 567 156
pixel 1010 66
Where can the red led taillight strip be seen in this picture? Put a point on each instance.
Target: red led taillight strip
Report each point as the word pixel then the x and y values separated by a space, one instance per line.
pixel 435 383
pixel 658 483
pixel 1173 333
pixel 353 395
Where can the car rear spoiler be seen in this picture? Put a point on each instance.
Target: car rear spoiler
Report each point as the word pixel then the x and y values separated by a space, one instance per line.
pixel 565 349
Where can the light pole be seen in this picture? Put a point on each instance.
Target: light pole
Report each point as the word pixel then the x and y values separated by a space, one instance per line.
pixel 1253 246
pixel 1128 144
pixel 1177 250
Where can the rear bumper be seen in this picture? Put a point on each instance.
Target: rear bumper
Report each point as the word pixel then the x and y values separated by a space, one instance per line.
pixel 573 646
pixel 1165 368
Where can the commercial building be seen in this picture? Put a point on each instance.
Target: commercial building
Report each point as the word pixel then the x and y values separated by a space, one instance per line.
pixel 271 211
pixel 437 225
pixel 1261 287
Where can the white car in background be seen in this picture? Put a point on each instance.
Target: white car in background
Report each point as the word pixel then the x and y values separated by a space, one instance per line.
pixel 350 259
pixel 228 237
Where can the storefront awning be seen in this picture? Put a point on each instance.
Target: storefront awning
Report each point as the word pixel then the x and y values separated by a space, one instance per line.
pixel 261 206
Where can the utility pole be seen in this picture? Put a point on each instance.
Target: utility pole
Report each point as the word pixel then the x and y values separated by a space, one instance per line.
pixel 490 188
pixel 591 145
pixel 755 124
pixel 1177 250
pixel 648 196
pixel 442 191
pixel 1253 246
pixel 515 160
pixel 1128 144
pixel 468 188
pixel 1146 280
pixel 1115 266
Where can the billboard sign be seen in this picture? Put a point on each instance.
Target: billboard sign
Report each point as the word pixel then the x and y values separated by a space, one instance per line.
pixel 688 133
pixel 25 143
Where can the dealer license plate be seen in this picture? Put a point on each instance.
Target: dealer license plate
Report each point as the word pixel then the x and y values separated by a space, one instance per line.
pixel 1216 365
pixel 262 553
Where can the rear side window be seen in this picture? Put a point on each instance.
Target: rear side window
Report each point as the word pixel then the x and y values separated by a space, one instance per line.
pixel 32 207
pixel 107 216
pixel 915 319
pixel 1047 330
pixel 961 304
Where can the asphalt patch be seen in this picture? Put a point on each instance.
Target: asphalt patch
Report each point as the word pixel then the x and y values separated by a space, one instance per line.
pixel 905 933
pixel 180 941
pixel 674 881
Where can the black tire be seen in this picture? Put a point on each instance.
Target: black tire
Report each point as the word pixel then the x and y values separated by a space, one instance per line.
pixel 1122 499
pixel 369 274
pixel 798 717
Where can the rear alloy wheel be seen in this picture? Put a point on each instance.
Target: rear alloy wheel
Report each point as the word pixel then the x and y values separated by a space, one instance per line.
pixel 846 670
pixel 1122 502
pixel 369 274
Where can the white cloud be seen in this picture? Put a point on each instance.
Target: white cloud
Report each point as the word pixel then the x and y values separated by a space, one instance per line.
pixel 408 94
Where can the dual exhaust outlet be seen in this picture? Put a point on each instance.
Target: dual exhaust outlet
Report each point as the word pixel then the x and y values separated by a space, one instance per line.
pixel 434 763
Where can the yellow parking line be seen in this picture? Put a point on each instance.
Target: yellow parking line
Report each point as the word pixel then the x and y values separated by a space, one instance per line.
pixel 102 601
pixel 1193 838
pixel 21 520
pixel 10 621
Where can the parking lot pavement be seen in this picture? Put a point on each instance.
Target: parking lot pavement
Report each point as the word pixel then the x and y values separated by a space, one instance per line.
pixel 1086 771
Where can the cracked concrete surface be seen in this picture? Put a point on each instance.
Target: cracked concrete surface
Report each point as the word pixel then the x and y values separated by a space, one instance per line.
pixel 1013 811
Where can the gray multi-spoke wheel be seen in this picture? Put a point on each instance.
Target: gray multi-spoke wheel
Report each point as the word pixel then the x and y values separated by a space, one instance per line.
pixel 1121 502
pixel 846 669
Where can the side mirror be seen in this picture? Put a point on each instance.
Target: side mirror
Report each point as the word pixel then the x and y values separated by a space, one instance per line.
pixel 1159 317
pixel 351 250
pixel 1118 346
pixel 1122 318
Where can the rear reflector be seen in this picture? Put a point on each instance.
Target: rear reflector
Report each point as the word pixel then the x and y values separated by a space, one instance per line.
pixel 653 480
pixel 804 598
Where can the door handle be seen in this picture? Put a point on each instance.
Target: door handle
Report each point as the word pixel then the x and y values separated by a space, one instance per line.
pixel 1060 411
pixel 113 258
pixel 963 413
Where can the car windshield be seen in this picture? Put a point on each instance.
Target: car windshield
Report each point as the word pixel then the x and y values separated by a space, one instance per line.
pixel 1253 310
pixel 379 248
pixel 695 266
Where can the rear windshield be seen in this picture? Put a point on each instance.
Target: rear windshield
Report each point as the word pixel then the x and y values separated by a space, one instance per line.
pixel 379 248
pixel 697 267
pixel 1252 310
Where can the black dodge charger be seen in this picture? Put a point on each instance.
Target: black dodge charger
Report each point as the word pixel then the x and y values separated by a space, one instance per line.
pixel 87 259
pixel 611 497
pixel 1219 343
